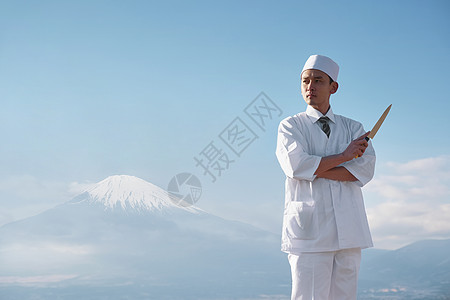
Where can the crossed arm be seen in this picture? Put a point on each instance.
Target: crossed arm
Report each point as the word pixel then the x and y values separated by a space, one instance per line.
pixel 328 167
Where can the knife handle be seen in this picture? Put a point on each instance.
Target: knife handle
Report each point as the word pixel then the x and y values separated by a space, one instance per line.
pixel 367 139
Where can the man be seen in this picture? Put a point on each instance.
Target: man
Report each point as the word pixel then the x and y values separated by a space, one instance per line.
pixel 326 160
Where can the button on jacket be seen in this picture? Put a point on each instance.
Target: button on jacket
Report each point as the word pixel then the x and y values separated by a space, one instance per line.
pixel 322 214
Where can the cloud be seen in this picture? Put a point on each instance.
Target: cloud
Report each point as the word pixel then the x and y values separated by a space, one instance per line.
pixel 28 188
pixel 33 256
pixel 25 195
pixel 420 180
pixel 76 188
pixel 413 202
pixel 33 280
pixel 5 217
pixel 69 249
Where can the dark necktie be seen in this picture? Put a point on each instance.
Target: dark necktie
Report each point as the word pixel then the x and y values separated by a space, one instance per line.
pixel 324 124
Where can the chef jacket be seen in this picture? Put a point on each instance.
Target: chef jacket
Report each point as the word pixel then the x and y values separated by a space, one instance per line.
pixel 322 214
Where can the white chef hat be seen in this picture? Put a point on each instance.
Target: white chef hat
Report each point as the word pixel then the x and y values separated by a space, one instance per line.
pixel 324 64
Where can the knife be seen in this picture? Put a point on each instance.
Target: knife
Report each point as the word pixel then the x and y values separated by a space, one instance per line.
pixel 378 124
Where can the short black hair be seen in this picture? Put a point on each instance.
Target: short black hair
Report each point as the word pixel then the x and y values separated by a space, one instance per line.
pixel 331 79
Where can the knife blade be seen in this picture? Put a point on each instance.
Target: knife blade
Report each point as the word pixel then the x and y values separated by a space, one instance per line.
pixel 377 125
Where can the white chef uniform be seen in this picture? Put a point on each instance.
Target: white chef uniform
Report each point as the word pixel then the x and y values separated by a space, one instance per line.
pixel 322 215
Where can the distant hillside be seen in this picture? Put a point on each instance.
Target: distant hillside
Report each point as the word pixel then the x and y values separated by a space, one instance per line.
pixel 417 271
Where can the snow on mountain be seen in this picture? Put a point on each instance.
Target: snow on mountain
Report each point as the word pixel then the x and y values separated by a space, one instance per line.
pixel 129 192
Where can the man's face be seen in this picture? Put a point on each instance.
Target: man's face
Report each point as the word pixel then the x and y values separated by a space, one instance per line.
pixel 316 89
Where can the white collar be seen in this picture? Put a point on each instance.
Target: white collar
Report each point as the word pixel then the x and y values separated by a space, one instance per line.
pixel 314 114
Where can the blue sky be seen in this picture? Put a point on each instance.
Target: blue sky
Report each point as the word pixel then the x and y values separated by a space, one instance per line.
pixel 96 88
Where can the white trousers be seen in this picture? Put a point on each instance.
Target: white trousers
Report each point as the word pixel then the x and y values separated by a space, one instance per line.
pixel 325 275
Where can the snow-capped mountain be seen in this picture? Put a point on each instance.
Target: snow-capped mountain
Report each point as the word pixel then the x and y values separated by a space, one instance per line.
pixel 129 192
pixel 127 234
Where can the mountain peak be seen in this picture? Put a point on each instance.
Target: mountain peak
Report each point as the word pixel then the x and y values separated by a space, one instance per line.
pixel 127 191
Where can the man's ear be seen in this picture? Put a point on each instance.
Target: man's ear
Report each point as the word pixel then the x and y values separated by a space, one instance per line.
pixel 334 87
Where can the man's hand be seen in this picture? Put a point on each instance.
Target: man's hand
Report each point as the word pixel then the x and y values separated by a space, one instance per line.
pixel 356 148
